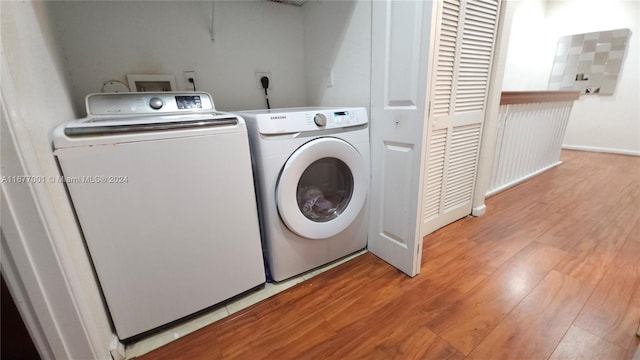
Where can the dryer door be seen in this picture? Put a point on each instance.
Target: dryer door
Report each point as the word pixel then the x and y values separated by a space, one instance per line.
pixel 322 188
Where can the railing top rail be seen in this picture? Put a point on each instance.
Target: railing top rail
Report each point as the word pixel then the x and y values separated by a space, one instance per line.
pixel 526 97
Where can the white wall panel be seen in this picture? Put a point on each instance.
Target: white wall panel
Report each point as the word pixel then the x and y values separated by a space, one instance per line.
pixel 599 123
pixel 104 40
pixel 337 47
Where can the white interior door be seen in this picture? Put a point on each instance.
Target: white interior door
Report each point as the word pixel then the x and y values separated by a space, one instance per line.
pixel 400 48
pixel 465 33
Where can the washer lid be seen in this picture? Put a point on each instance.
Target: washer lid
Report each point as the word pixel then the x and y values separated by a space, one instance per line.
pixel 122 129
pixel 322 188
pixel 128 125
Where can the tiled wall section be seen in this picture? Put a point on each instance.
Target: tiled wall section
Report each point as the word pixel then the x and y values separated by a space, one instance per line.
pixel 589 62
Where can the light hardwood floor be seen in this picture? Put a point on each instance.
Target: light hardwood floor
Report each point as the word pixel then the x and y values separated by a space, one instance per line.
pixel 551 272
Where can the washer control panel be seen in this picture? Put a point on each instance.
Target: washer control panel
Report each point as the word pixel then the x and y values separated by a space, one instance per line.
pixel 148 103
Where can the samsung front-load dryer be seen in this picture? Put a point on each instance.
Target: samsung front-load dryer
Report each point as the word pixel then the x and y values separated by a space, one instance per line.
pixel 312 170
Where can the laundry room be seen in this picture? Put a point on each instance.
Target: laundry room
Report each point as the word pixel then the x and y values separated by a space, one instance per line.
pixel 318 54
pixel 342 154
pixel 313 55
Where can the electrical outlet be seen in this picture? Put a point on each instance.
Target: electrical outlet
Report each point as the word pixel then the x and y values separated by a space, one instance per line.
pixel 330 79
pixel 189 86
pixel 259 76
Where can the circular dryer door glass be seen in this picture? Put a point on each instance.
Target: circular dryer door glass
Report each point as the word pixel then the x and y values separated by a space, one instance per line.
pixel 324 190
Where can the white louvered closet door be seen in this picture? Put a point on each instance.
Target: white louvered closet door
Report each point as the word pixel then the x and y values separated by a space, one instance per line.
pixel 460 79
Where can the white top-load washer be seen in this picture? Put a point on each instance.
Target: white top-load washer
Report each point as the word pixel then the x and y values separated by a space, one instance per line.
pixel 163 191
pixel 312 173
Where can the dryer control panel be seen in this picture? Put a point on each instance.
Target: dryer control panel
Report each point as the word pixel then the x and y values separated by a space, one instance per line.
pixel 284 121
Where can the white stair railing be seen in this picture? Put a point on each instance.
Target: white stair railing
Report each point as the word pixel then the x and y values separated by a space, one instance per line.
pixel 530 136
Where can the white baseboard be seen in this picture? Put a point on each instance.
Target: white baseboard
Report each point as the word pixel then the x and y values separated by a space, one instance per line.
pixel 601 149
pixel 479 210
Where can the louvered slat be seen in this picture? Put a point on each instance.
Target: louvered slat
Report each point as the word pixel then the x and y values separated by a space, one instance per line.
pixel 445 63
pixel 478 32
pixel 435 172
pixel 461 170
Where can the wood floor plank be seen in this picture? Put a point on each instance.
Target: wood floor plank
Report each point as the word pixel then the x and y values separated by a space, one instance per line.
pixel 462 274
pixel 403 335
pixel 582 196
pixel 436 256
pixel 613 311
pixel 349 309
pixel 284 341
pixel 316 294
pixel 505 240
pixel 266 316
pixel 604 240
pixel 467 322
pixel 199 345
pixel 448 255
pixel 561 233
pixel 266 331
pixel 502 225
pixel 602 171
pixel 450 284
pixel 581 344
pixel 587 270
pixel 536 326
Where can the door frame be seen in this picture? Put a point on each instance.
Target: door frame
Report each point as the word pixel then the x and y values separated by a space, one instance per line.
pixel 491 118
pixel 61 319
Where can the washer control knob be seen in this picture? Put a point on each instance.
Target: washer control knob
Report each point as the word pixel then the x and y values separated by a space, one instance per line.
pixel 156 103
pixel 320 119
